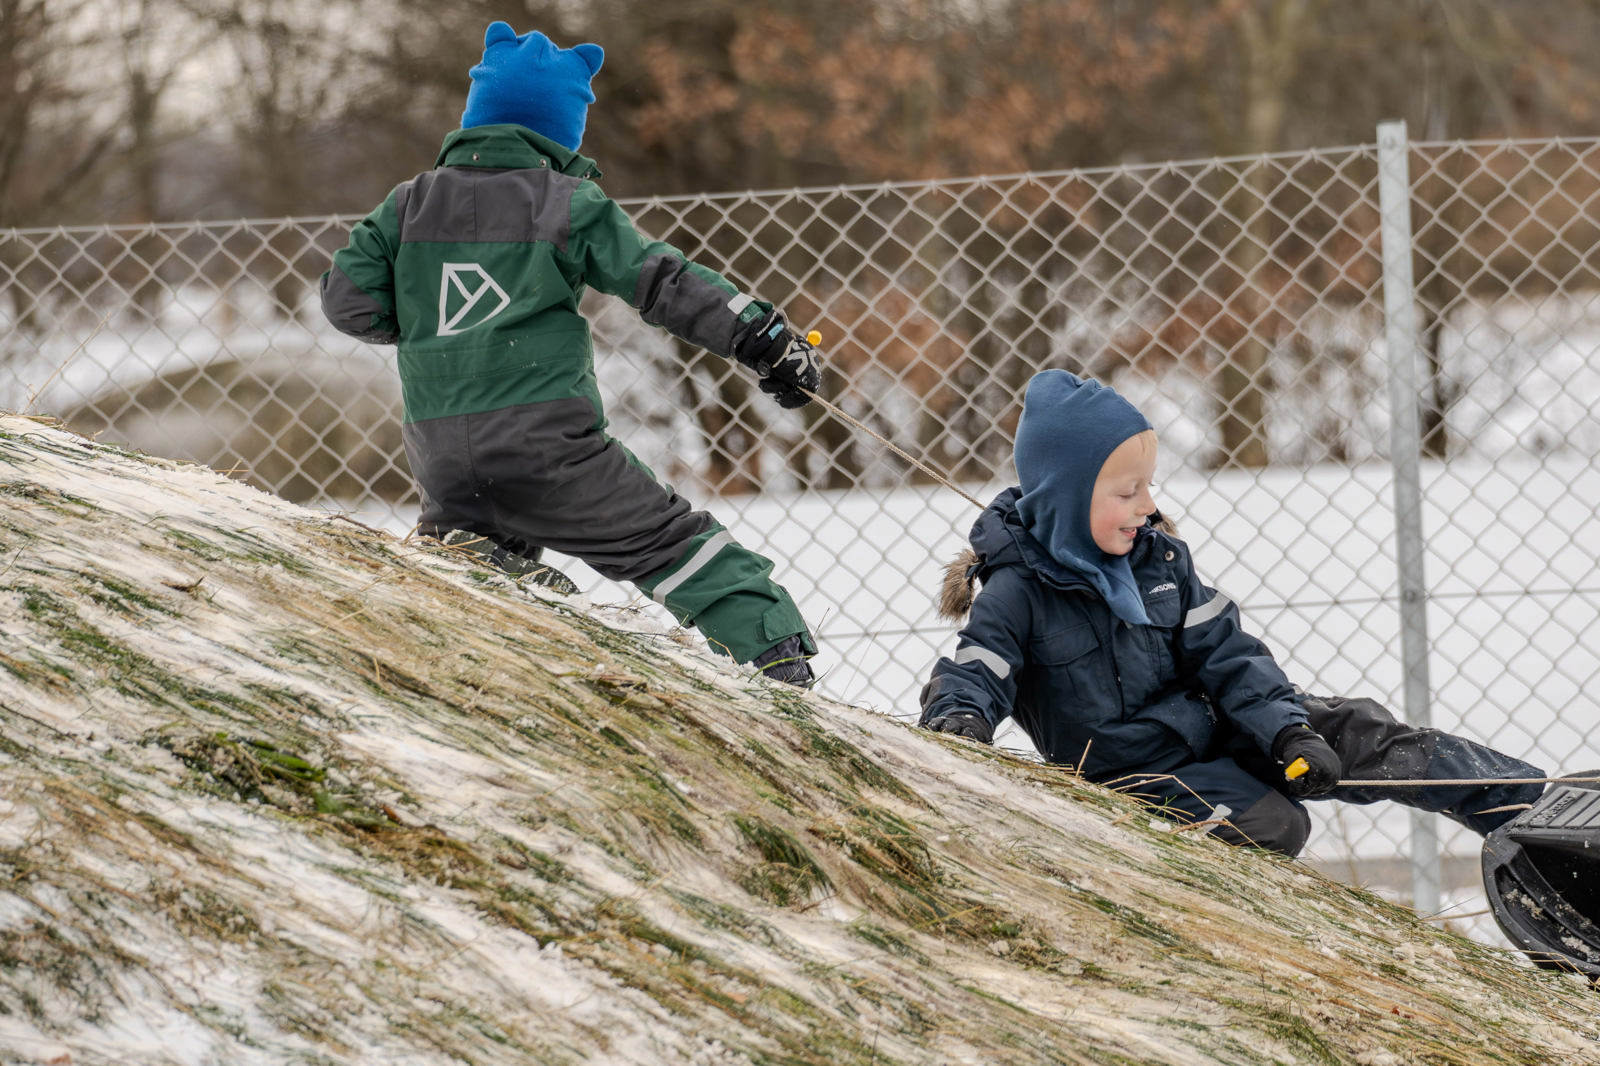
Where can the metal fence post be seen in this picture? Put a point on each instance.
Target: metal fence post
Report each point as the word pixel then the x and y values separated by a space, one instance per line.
pixel 1405 444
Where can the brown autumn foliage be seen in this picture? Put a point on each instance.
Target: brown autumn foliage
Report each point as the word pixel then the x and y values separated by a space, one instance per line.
pixel 838 91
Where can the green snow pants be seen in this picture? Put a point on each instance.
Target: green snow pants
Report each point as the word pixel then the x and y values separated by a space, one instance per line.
pixel 546 475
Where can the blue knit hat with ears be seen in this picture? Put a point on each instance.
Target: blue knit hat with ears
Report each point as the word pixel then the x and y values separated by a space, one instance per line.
pixel 531 82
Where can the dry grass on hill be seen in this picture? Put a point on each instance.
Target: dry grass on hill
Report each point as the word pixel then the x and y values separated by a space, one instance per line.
pixel 280 789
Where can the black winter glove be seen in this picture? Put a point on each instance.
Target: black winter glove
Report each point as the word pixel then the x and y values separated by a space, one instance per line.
pixel 1322 764
pixel 963 724
pixel 786 362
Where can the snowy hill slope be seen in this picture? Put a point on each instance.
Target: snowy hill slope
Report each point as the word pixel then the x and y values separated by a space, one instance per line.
pixel 275 788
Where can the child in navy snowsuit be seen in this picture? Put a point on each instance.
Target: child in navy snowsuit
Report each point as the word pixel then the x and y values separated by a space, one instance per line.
pixel 1093 630
pixel 475 269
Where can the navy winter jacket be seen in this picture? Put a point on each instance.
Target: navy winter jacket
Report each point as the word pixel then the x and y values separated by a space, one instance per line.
pixel 1094 692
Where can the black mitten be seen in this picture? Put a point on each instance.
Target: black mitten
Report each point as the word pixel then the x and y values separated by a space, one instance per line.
pixel 1322 763
pixel 963 724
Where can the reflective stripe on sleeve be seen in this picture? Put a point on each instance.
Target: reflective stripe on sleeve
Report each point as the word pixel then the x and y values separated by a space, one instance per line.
pixel 696 563
pixel 974 654
pixel 1206 611
pixel 740 302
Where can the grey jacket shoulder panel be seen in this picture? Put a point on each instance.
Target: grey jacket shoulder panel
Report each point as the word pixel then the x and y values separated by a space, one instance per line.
pixel 477 206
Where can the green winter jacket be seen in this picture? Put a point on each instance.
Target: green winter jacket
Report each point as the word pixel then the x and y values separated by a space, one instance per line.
pixel 476 268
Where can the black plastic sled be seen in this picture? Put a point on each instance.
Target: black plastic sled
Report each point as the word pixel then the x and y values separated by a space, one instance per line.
pixel 1541 872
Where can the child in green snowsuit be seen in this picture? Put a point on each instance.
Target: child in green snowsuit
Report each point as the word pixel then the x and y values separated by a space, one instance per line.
pixel 475 270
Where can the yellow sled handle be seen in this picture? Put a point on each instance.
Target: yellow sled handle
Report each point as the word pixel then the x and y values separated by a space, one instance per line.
pixel 1296 769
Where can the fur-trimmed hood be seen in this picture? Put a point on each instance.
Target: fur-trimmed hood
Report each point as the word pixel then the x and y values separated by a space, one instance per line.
pixel 957 589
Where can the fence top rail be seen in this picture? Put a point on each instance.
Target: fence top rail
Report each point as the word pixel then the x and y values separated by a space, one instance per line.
pixel 1511 142
pixel 194 225
pixel 803 191
pixel 973 180
pixel 1030 175
pixel 1365 150
pixel 1579 144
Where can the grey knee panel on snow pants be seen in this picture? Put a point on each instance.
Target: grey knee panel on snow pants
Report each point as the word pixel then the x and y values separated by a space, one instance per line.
pixel 542 476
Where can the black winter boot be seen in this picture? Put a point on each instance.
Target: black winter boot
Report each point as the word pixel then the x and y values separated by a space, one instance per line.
pixel 786 661
pixel 509 562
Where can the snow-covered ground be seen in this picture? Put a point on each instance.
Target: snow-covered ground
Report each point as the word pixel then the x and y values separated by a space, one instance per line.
pixel 280 790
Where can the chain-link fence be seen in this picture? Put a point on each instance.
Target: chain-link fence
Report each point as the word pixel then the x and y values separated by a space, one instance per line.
pixel 1241 303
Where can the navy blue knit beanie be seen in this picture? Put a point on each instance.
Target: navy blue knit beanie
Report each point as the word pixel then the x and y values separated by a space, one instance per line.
pixel 531 82
pixel 1069 428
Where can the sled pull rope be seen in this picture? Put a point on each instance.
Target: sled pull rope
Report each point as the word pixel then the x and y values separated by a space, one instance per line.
pixel 1459 782
pixel 1299 768
pixel 814 339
